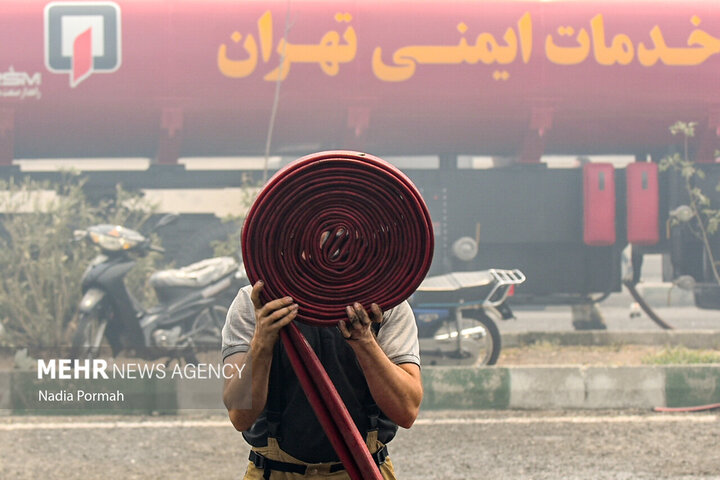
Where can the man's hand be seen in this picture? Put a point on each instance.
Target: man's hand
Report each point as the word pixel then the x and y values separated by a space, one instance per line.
pixel 397 389
pixel 358 326
pixel 269 319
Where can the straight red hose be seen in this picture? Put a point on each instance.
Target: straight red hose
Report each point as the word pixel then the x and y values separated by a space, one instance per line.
pixel 329 408
pixel 322 410
pixel 331 229
pixel 697 408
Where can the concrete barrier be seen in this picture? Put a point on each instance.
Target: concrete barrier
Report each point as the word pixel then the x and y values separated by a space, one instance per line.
pixel 699 339
pixel 446 388
pixel 571 387
pixel 5 401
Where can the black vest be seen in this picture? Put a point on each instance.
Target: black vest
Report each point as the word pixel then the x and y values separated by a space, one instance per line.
pixel 298 431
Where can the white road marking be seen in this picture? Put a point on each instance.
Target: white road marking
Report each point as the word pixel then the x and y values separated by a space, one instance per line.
pixel 113 425
pixel 578 419
pixel 422 421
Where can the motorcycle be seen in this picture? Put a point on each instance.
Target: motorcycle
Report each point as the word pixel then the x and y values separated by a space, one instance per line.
pixel 456 315
pixel 193 300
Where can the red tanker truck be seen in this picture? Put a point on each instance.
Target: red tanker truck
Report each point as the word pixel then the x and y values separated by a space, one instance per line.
pixel 166 79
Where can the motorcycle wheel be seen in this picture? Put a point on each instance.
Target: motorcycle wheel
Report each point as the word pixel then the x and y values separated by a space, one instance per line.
pixel 209 324
pixel 89 335
pixel 490 338
pixel 479 345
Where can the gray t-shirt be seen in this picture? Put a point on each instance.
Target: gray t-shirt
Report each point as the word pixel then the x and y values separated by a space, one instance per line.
pixel 398 335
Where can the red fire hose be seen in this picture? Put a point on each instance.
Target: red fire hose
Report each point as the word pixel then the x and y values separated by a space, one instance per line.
pixel 331 229
pixel 335 228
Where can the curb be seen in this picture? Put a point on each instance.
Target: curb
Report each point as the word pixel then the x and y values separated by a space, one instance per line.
pixel 571 387
pixel 698 339
pixel 446 388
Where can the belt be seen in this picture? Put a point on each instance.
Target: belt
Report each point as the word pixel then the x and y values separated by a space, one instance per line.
pixel 266 464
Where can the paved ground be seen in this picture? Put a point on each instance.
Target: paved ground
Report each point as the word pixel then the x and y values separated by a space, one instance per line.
pixel 616 312
pixel 475 445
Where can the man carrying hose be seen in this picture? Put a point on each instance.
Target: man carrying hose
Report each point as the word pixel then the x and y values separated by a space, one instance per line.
pixel 372 358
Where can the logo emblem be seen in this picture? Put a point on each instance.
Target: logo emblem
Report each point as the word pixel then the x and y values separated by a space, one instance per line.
pixel 82 38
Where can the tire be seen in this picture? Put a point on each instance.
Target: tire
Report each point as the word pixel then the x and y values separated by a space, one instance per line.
pixel 490 338
pixel 211 321
pixel 479 345
pixel 89 335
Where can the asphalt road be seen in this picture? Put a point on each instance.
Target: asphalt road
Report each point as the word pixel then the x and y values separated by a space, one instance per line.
pixel 442 445
pixel 616 313
pixel 675 307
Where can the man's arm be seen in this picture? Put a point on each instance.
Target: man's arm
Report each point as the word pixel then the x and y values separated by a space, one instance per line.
pixel 247 389
pixel 397 389
pixel 269 319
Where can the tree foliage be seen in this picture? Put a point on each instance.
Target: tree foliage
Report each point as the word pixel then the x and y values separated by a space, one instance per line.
pixel 705 219
pixel 42 268
pixel 230 246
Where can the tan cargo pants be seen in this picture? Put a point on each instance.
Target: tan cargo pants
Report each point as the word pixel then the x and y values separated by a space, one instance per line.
pixel 315 471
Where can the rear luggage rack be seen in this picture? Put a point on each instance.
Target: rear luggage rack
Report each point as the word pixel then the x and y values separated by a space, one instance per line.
pixel 504 279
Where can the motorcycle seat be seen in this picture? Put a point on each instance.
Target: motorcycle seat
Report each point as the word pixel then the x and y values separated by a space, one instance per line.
pixel 454 281
pixel 466 288
pixel 195 275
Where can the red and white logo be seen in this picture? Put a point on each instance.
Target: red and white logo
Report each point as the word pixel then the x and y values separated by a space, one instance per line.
pixel 82 38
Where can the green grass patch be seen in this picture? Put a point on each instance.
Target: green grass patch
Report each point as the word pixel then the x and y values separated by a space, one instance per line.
pixel 681 356
pixel 544 345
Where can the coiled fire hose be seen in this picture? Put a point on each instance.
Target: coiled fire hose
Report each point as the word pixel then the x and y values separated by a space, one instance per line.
pixel 331 229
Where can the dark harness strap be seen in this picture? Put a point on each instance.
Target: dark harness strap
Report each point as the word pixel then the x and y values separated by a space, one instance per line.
pixel 275 399
pixel 373 414
pixel 371 409
pixel 268 466
pixel 275 407
pixel 276 403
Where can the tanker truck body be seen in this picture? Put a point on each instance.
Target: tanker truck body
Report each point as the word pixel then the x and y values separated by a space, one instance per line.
pixel 513 80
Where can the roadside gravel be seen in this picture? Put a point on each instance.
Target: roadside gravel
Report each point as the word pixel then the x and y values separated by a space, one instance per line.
pixel 442 445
